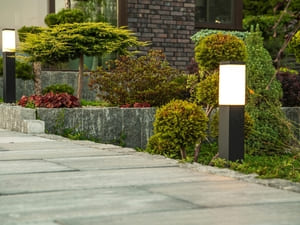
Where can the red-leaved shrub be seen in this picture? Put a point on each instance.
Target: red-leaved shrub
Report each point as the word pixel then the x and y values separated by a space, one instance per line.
pixel 51 100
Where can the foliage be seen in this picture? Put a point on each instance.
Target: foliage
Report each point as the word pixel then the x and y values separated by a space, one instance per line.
pixel 23 31
pixel 291 88
pixel 23 70
pixel 59 88
pixel 64 16
pixel 50 100
pixel 272 133
pixel 288 70
pixel 197 37
pixel 64 41
pixel 266 23
pixel 207 92
pixel 216 48
pixel 144 79
pixel 93 10
pixel 279 21
pixel 69 41
pixel 180 124
pixel 295 45
pixel 99 103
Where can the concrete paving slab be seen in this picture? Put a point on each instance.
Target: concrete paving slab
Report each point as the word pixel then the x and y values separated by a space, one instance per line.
pixel 23 139
pixel 114 162
pixel 54 154
pixel 38 146
pixel 18 183
pixel 233 193
pixel 266 214
pixel 31 166
pixel 82 203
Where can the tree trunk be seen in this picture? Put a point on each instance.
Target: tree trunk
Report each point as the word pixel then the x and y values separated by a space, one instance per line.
pixel 197 150
pixel 67 4
pixel 79 79
pixel 183 153
pixel 37 69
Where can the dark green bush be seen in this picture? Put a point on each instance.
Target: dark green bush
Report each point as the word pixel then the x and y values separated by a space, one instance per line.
pixel 59 88
pixel 216 48
pixel 23 70
pixel 145 79
pixel 64 16
pixel 178 125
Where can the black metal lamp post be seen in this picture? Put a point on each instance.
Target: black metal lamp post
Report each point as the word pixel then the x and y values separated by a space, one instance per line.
pixel 232 86
pixel 9 65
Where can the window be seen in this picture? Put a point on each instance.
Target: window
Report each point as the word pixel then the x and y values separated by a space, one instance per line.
pixel 223 14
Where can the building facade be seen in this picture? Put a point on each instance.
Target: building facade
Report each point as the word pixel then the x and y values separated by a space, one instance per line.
pixel 166 24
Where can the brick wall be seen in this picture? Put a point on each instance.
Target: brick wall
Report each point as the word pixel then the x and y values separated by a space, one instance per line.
pixel 167 24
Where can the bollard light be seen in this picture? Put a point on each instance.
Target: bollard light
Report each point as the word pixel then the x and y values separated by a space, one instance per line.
pixel 232 88
pixel 9 65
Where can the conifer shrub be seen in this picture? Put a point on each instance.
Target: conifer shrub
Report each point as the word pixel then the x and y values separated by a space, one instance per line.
pixel 216 48
pixel 272 133
pixel 147 79
pixel 178 125
pixel 59 88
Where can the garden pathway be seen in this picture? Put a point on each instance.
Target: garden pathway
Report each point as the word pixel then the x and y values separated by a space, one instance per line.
pixel 50 180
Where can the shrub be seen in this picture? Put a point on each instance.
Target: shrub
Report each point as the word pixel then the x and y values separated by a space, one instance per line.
pixel 64 16
pixel 272 132
pixel 50 100
pixel 59 88
pixel 207 32
pixel 23 70
pixel 178 125
pixel 290 84
pixel 145 79
pixel 207 92
pixel 216 48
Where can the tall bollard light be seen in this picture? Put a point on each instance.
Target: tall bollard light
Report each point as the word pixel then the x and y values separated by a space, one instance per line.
pixel 9 65
pixel 232 88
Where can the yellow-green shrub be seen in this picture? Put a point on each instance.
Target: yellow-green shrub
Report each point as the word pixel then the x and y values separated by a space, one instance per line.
pixel 216 48
pixel 177 125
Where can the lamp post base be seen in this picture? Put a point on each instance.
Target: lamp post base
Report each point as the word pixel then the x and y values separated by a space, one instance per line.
pixel 231 132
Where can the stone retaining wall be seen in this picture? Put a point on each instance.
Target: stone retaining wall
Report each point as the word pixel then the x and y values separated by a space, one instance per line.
pixel 130 126
pixel 20 119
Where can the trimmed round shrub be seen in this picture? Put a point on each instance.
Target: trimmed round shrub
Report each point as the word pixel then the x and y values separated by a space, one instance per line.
pixel 59 88
pixel 216 48
pixel 178 125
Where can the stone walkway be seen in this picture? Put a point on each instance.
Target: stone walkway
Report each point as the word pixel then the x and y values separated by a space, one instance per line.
pixel 49 180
